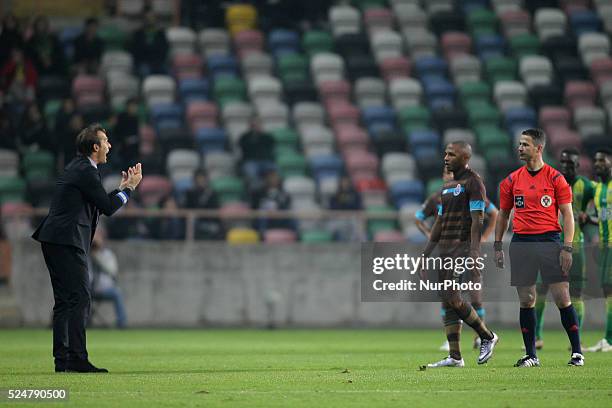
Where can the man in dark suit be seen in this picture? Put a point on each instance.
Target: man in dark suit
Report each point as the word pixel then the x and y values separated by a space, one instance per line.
pixel 66 235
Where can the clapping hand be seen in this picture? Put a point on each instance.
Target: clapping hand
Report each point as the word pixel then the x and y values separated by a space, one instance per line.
pixel 131 178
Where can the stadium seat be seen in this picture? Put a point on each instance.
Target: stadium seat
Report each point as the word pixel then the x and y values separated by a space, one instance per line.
pixel 344 19
pixel 239 17
pixel 524 45
pixel 315 42
pixel 283 42
pixel 389 236
pixel 327 67
pixel 279 236
pixel 240 236
pixel 182 40
pixel 117 61
pixel 465 68
pixel 370 92
pixel 378 19
pixel 256 64
pixel 248 41
pixel 273 115
pixel 228 89
pixel 482 21
pixel 317 140
pixel 291 164
pixel 210 139
pixel 501 69
pixel 549 22
pixel 220 65
pixel 158 89
pixel 584 21
pixel 405 92
pixel 152 189
pixel 326 166
pixel 452 135
pixel 473 93
pixel 580 93
pixel 196 89
pixel 420 43
pixel 351 44
pixel 601 70
pixel 394 68
pixel 202 114
pixel 515 22
pixel 489 45
pixel 38 165
pixel 455 44
pixel 228 188
pixel 590 120
pixel 214 41
pixel 386 44
pixel 264 89
pixel 536 70
pixel 414 117
pixel 509 94
pixel 593 46
pixel 182 163
pixel 307 113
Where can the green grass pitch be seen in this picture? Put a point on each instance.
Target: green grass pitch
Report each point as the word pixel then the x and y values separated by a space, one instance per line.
pixel 303 368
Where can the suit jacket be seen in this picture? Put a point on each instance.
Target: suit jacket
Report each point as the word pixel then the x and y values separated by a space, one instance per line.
pixel 77 202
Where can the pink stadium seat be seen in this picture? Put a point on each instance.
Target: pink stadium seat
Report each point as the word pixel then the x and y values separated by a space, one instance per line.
pixel 376 18
pixel 248 41
pixel 202 114
pixel 350 136
pixel 187 66
pixel 279 236
pixel 395 67
pixel 153 188
pixel 335 90
pixel 342 112
pixel 455 43
pixel 569 6
pixel 88 90
pixel 514 21
pixel 561 138
pixel 601 70
pixel 389 236
pixel 580 93
pixel 361 165
pixel 233 209
pixel 15 208
pixel 555 117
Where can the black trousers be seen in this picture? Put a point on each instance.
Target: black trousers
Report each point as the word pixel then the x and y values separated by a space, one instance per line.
pixel 71 290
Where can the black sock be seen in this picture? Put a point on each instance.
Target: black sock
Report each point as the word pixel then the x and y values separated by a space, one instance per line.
pixel 528 325
pixel 569 319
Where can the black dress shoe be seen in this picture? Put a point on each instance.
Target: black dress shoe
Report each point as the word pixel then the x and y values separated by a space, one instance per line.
pixel 60 366
pixel 83 366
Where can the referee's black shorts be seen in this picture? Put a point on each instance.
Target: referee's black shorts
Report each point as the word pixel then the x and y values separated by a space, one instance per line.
pixel 533 253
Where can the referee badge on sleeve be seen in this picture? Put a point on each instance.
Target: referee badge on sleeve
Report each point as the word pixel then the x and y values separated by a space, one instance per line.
pixel 546 201
pixel 519 201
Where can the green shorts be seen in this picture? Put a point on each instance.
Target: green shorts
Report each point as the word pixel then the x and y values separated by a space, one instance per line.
pixel 604 260
pixel 577 275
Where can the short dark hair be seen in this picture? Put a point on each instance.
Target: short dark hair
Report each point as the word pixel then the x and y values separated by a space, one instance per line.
pixel 605 150
pixel 87 138
pixel 91 20
pixel 538 135
pixel 570 151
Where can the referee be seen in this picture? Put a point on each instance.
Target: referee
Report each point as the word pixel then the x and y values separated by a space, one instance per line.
pixel 537 193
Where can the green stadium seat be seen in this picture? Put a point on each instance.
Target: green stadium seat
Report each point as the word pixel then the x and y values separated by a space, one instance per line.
pixel 292 64
pixel 50 111
pixel 490 137
pixel 497 154
pixel 315 236
pixel 229 89
pixel 38 165
pixel 434 185
pixel 483 115
pixel 12 189
pixel 285 138
pixel 414 117
pixel 481 21
pixel 291 164
pixel 374 224
pixel 114 37
pixel 501 69
pixel 474 93
pixel 316 41
pixel 524 44
pixel 228 188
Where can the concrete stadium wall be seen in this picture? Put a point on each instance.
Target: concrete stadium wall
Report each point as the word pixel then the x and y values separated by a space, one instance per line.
pixel 177 284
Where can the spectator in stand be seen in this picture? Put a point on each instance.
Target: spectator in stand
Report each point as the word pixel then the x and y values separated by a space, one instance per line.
pixel 346 198
pixel 5 255
pixel 126 132
pixel 88 48
pixel 257 148
pixel 18 78
pixel 271 197
pixel 202 196
pixel 10 38
pixel 66 141
pixel 33 131
pixel 169 228
pixel 7 129
pixel 45 50
pixel 149 47
pixel 104 273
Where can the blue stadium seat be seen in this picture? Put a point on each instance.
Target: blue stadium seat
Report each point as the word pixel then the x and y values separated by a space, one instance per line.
pixel 283 41
pixel 520 118
pixel 584 21
pixel 429 161
pixel 407 191
pixel 430 66
pixel 489 45
pixel 374 115
pixel 440 93
pixel 219 64
pixel 423 138
pixel 210 140
pixel 166 116
pixel 325 166
pixel 67 37
pixel 193 89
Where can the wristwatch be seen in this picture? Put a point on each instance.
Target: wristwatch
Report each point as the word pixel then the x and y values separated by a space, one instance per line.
pixel 567 248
